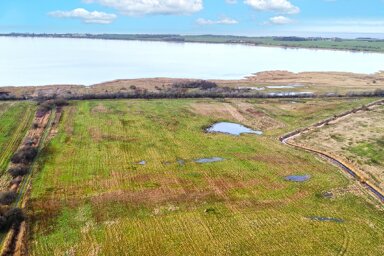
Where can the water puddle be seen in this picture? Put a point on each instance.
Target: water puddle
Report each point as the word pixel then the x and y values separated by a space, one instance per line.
pixel 290 86
pixel 231 128
pixel 209 160
pixel 298 178
pixel 326 219
pixel 290 94
pixel 252 88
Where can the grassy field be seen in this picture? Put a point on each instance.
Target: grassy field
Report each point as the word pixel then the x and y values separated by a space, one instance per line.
pixel 15 120
pixel 342 44
pixel 359 138
pixel 93 197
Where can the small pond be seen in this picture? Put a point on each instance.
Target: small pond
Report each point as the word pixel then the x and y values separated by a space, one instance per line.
pixel 209 160
pixel 298 178
pixel 231 128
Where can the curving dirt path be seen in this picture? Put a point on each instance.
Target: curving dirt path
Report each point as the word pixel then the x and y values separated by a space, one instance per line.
pixel 346 167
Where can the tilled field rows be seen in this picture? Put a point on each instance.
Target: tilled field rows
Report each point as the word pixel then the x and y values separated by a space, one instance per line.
pixel 94 195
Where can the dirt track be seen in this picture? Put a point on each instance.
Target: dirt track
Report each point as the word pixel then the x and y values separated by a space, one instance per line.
pixel 13 243
pixel 347 167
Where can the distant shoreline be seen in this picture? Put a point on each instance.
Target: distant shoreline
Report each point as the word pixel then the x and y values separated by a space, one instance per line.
pixel 272 84
pixel 369 45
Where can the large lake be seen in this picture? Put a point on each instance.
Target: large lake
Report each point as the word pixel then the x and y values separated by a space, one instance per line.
pixel 39 61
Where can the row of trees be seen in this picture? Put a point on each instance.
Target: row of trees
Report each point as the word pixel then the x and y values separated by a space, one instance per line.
pixel 216 93
pixel 190 89
pixel 200 84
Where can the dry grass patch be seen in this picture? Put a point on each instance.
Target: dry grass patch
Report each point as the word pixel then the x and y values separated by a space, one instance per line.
pixel 357 138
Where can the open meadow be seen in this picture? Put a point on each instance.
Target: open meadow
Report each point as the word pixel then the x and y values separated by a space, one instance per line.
pixel 121 178
pixel 15 119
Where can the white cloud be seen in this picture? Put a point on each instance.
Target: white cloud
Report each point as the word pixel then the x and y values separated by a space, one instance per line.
pixel 280 20
pixel 231 1
pixel 147 7
pixel 282 6
pixel 223 21
pixel 86 16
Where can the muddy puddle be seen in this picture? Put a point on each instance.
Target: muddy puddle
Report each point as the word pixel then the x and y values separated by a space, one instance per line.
pixel 232 129
pixel 298 178
pixel 208 160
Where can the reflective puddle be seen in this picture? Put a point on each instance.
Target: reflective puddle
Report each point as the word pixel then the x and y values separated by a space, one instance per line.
pixel 298 178
pixel 209 160
pixel 290 86
pixel 326 219
pixel 231 128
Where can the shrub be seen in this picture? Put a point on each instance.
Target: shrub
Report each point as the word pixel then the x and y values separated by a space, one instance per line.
pixel 20 170
pixel 9 217
pixel 7 197
pixel 202 84
pixel 60 102
pixel 17 180
pixel 29 142
pixel 24 155
pixel 47 105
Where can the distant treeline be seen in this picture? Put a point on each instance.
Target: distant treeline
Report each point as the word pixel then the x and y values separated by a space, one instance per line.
pixel 358 44
pixel 190 89
pixel 214 92
pixel 170 37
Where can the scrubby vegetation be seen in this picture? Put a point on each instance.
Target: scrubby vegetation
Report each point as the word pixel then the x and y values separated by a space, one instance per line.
pixel 25 155
pixel 200 84
pixel 357 139
pixel 18 170
pixel 46 105
pixel 7 197
pixel 10 216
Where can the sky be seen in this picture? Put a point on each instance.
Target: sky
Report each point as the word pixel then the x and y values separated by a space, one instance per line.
pixel 235 17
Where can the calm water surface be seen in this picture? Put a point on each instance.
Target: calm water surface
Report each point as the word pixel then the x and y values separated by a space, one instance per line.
pixel 298 178
pixel 38 61
pixel 231 128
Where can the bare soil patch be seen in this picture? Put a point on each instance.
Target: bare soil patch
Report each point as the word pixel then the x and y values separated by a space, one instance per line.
pixel 237 111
